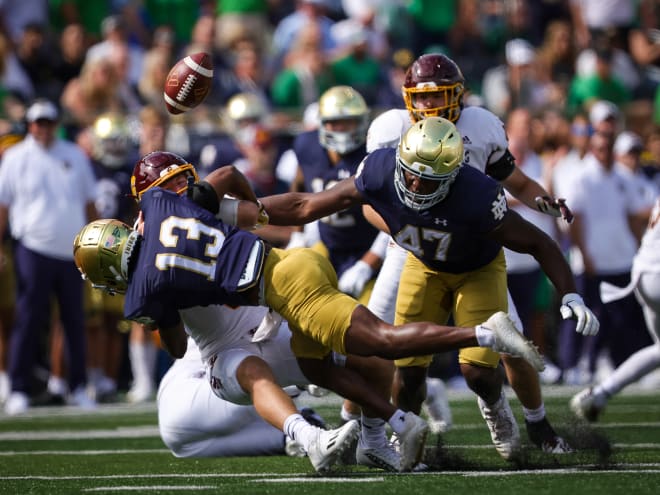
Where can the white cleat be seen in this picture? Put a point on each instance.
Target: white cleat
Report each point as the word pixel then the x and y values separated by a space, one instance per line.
pixel 385 457
pixel 328 445
pixel 17 403
pixel 412 440
pixel 509 341
pixel 585 405
pixel 504 431
pixel 436 406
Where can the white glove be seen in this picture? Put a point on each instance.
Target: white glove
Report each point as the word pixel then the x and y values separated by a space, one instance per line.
pixel 572 306
pixel 554 207
pixel 353 280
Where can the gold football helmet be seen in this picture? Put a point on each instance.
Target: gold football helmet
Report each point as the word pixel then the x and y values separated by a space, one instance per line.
pixel 111 140
pixel 102 251
pixel 343 103
pixel 431 149
pixel 244 108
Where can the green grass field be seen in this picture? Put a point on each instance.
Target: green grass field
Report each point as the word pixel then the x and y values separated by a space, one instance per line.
pixel 117 450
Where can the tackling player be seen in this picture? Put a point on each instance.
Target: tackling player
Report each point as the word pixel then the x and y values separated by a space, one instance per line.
pixel 453 221
pixel 434 86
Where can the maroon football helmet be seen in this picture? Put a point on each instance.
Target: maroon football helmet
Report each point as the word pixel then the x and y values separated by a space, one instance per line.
pixel 434 73
pixel 154 168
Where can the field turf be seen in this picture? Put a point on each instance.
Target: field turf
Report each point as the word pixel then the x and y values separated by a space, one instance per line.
pixel 117 450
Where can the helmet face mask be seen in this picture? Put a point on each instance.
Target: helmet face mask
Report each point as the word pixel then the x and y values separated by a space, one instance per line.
pixel 346 108
pixel 102 251
pixel 156 168
pixel 434 73
pixel 432 150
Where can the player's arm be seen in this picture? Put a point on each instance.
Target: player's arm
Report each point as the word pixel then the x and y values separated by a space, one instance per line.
pixel 525 189
pixel 301 208
pixel 374 218
pixel 519 235
pixel 174 340
pixel 227 180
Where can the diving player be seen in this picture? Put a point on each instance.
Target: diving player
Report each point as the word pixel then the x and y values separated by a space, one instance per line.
pixel 453 220
pixel 434 86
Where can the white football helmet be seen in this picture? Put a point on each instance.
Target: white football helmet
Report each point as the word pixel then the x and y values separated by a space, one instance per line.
pixel 343 103
pixel 431 149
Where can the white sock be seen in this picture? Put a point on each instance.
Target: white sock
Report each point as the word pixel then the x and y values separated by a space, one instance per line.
pixel 347 415
pixel 143 359
pixel 57 385
pixel 373 432
pixel 397 421
pixel 534 415
pixel 485 336
pixel 299 430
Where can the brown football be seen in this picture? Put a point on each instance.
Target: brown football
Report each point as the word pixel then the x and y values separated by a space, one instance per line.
pixel 188 82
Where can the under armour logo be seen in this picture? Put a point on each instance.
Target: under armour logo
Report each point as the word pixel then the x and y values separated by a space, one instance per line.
pixel 499 207
pixel 440 221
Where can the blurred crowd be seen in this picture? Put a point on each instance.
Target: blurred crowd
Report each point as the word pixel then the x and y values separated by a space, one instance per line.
pixel 554 71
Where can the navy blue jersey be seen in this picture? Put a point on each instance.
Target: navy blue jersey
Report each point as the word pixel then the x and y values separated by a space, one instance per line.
pixel 188 258
pixel 113 188
pixel 346 234
pixel 449 236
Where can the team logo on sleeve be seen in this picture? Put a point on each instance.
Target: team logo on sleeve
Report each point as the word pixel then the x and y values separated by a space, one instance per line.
pixel 499 207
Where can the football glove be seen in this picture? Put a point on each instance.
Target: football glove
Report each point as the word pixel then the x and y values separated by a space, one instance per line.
pixel 353 280
pixel 554 207
pixel 572 306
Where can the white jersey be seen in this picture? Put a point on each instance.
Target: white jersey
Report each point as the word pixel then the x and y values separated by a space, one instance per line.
pixel 484 138
pixel 484 142
pixel 647 258
pixel 215 328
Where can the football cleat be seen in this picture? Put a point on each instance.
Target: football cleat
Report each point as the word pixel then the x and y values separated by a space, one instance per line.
pixel 293 448
pixel 502 424
pixel 412 440
pixel 384 457
pixel 585 405
pixel 327 446
pixel 509 341
pixel 436 406
pixel 542 434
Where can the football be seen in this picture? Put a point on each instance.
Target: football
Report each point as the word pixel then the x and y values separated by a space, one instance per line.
pixel 188 82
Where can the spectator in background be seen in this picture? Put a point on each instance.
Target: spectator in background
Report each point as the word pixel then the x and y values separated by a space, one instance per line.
pixel 90 94
pixel 514 84
pixel 12 75
pixel 644 46
pixel 240 19
pixel 305 74
pixel 69 56
pixel 157 64
pixel 389 93
pixel 609 220
pixel 555 59
pixel 47 193
pixel 628 149
pixel 288 31
pixel 357 67
pixel 602 84
pixel 590 18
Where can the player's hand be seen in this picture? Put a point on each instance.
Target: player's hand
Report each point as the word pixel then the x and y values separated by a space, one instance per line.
pixel 572 306
pixel 554 207
pixel 353 280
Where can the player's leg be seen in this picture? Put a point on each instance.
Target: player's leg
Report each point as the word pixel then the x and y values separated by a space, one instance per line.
pixel 143 354
pixel 243 377
pixel 483 292
pixel 525 382
pixel 193 422
pixel 590 402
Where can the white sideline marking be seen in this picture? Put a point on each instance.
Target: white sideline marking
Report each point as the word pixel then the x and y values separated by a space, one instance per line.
pixel 122 432
pixel 146 488
pixel 624 468
pixel 639 446
pixel 319 480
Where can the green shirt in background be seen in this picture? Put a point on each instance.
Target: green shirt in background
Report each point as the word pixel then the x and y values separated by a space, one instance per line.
pixel 241 6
